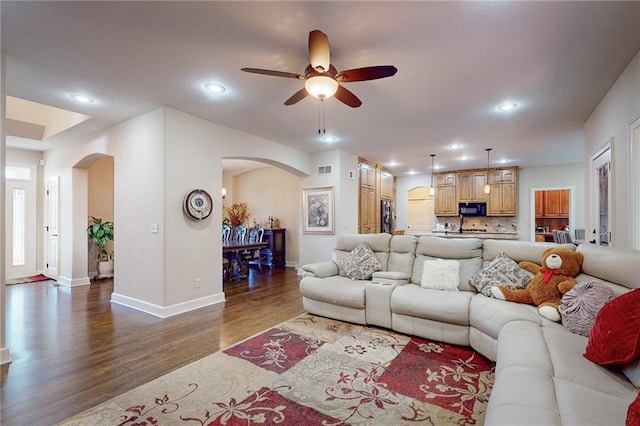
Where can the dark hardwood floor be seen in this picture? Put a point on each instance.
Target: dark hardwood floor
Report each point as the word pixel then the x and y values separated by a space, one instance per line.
pixel 72 348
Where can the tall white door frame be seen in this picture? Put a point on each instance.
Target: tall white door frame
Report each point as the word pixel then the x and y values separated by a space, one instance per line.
pixel 51 227
pixel 634 169
pixel 21 201
pixel 602 165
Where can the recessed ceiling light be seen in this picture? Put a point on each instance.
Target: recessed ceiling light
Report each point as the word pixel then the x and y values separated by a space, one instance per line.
pixel 215 87
pixel 393 164
pixel 82 98
pixel 507 106
pixel 328 138
pixel 464 158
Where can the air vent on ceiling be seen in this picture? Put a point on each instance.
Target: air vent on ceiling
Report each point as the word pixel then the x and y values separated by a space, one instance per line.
pixel 325 170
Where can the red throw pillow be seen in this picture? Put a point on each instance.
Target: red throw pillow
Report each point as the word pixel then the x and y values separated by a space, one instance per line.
pixel 615 335
pixel 633 413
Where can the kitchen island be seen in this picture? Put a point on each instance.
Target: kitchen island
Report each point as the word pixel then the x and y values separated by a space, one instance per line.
pixel 477 234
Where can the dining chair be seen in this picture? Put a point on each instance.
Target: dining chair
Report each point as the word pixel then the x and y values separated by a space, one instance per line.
pixel 226 258
pixel 559 236
pixel 252 256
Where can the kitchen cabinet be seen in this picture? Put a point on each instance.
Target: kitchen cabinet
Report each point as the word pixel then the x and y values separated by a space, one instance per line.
pixel 503 175
pixel 471 187
pixel 502 200
pixel 446 194
pixel 539 204
pixel 376 184
pixel 552 204
pixel 387 184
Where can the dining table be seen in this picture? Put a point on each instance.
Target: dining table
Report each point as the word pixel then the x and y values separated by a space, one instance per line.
pixel 238 268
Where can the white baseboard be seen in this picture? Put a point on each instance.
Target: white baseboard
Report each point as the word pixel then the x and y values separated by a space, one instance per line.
pixel 166 311
pixel 73 282
pixel 5 358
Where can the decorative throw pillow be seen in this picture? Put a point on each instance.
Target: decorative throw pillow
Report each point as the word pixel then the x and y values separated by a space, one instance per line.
pixel 500 271
pixel 633 413
pixel 615 335
pixel 441 274
pixel 360 263
pixel 581 304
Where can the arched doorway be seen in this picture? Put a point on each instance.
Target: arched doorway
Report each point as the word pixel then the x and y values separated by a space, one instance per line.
pixel 420 210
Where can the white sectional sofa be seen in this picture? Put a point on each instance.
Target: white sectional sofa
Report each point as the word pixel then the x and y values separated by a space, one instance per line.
pixel 542 377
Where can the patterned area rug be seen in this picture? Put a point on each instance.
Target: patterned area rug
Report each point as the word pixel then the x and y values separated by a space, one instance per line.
pixel 31 279
pixel 313 370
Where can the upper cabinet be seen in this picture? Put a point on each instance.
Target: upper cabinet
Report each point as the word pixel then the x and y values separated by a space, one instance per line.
pixel 376 184
pixel 387 185
pixel 502 198
pixel 464 186
pixel 446 202
pixel 471 186
pixel 553 203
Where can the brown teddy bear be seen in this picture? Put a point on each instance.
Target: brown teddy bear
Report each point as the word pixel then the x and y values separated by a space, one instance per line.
pixel 552 280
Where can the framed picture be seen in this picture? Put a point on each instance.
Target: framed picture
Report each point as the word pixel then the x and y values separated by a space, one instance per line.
pixel 317 209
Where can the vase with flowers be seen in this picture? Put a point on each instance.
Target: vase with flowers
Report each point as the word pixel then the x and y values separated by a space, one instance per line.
pixel 237 214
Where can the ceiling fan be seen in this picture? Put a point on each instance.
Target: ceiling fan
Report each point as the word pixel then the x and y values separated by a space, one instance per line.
pixel 321 79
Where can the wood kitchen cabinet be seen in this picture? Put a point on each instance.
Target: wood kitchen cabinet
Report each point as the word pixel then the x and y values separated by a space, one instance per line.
pixel 446 202
pixel 376 184
pixel 502 200
pixel 552 203
pixel 471 187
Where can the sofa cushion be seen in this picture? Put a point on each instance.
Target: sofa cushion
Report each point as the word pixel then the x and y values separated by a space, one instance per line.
pixel 565 350
pixel 441 274
pixel 468 251
pixel 500 271
pixel 489 315
pixel 617 266
pixel 615 335
pixel 402 252
pixel 360 263
pixel 633 413
pixel 581 304
pixel 337 290
pixel 345 243
pixel 445 306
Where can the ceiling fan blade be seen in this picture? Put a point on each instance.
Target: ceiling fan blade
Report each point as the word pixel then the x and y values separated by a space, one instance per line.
pixel 274 73
pixel 366 73
pixel 297 97
pixel 319 53
pixel 348 98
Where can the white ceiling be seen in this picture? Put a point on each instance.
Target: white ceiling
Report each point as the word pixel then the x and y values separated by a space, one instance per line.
pixel 456 62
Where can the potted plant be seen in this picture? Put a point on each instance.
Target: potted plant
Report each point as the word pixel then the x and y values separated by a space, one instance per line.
pixel 100 233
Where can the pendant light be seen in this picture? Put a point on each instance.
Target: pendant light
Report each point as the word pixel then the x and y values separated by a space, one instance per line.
pixel 432 190
pixel 487 187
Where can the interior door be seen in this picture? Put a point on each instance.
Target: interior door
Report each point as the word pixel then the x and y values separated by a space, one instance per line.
pixel 420 209
pixel 51 228
pixel 601 196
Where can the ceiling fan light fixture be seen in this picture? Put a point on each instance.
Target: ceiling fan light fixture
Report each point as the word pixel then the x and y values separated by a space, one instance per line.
pixel 321 87
pixel 215 87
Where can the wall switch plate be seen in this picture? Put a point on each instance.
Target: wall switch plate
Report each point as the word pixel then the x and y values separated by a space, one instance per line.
pixel 198 283
pixel 154 228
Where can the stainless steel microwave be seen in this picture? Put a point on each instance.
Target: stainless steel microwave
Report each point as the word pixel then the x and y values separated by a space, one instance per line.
pixel 472 209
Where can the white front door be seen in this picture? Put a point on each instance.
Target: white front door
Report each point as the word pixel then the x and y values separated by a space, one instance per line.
pixel 20 220
pixel 51 228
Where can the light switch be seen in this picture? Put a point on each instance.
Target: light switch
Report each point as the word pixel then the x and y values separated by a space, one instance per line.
pixel 154 228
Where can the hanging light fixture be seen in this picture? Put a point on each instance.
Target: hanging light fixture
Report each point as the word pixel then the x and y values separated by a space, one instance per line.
pixel 432 190
pixel 487 187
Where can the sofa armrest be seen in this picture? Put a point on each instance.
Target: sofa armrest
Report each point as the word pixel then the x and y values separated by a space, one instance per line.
pixel 390 277
pixel 321 269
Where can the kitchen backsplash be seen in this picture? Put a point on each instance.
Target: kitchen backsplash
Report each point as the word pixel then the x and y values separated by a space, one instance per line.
pixel 491 224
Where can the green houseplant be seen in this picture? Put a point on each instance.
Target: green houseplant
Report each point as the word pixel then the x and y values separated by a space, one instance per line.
pixel 100 233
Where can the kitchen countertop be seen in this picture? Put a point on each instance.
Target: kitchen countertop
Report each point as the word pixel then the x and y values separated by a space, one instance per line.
pixel 475 234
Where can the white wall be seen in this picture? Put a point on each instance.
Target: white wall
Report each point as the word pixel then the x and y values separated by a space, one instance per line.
pixel 270 191
pixel 611 119
pixel 317 248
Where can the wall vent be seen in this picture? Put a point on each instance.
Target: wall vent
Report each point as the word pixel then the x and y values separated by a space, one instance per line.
pixel 325 170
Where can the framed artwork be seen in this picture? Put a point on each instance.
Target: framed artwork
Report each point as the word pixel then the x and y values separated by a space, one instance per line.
pixel 317 210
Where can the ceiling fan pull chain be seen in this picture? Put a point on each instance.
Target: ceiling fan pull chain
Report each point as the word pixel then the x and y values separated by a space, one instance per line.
pixel 324 118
